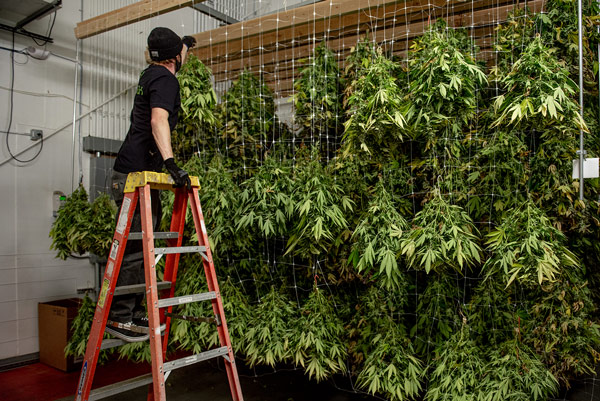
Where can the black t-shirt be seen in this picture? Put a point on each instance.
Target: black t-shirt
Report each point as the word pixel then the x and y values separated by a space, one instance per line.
pixel 157 87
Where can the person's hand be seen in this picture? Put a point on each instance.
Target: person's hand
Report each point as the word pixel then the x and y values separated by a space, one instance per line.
pixel 181 177
pixel 189 41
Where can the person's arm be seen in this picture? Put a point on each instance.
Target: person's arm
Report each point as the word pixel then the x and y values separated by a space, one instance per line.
pixel 161 132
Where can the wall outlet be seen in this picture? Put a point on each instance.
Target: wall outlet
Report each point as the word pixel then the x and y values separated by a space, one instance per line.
pixel 36 134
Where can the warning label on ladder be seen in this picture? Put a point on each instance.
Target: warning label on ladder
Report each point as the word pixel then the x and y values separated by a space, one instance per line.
pixel 123 216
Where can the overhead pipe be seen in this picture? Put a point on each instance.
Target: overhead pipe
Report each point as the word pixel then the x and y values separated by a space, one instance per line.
pixel 581 151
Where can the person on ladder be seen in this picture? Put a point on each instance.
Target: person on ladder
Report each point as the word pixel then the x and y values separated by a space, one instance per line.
pixel 147 147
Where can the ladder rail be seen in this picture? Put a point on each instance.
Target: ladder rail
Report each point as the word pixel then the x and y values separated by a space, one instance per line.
pixel 213 285
pixel 158 384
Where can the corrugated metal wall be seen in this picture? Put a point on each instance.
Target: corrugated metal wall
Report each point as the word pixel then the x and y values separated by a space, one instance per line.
pixel 113 60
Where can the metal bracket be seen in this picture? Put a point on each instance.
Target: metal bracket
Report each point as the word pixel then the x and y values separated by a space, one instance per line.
pixel 211 12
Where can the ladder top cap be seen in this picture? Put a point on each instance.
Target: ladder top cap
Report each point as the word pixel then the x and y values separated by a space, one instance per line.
pixel 156 181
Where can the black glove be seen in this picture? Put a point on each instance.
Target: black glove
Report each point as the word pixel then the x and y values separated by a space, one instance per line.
pixel 189 41
pixel 180 176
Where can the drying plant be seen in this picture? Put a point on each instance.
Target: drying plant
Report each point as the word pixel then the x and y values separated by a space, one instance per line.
pixel 538 86
pixel 375 110
pixel 80 331
pixel 437 314
pixel 527 248
pixel 562 328
pixel 269 330
pixel 515 373
pixel 376 240
pixel 444 85
pixel 457 369
pixel 82 227
pixel 443 236
pixel 247 115
pixel 317 342
pixel 319 210
pixel 102 223
pixel 197 122
pixel 386 358
pixel 319 112
pixel 265 201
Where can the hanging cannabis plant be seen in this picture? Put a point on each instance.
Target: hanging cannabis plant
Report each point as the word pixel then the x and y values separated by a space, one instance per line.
pixel 199 336
pixel 356 63
pixel 196 127
pixel 562 329
pixel 377 238
pixel 493 310
pixel 320 206
pixel 82 227
pixel 515 373
pixel 102 219
pixel 498 176
pixel 527 248
pixel 269 330
pixel 317 99
pixel 387 360
pixel 187 334
pixel 247 115
pixel 437 314
pixel 443 236
pixel 265 201
pixel 537 87
pixel 219 197
pixel 375 110
pixel 444 85
pixel 457 369
pixel 317 341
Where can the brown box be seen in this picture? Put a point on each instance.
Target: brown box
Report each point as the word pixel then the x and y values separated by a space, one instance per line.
pixel 54 328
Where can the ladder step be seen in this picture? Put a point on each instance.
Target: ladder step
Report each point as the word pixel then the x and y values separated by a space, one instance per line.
pixel 190 360
pixel 120 387
pixel 112 343
pixel 186 299
pixel 139 288
pixel 165 235
pixel 181 249
pixel 197 319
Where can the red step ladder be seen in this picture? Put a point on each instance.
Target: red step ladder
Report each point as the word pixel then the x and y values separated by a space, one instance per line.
pixel 138 187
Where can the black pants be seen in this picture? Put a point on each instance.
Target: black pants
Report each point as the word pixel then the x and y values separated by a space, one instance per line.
pixel 125 306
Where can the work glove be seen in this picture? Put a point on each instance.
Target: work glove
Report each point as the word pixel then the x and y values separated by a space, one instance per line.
pixel 180 176
pixel 189 41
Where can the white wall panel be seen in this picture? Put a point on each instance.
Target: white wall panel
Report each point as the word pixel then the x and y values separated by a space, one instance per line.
pixel 8 292
pixel 8 311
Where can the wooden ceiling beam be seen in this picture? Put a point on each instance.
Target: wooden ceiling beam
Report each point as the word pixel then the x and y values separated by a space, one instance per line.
pixel 338 25
pixel 486 21
pixel 290 18
pixel 127 15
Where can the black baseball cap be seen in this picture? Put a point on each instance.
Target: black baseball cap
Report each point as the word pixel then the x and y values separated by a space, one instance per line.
pixel 163 44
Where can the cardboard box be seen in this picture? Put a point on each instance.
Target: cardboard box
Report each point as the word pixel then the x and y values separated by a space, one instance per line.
pixel 54 328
